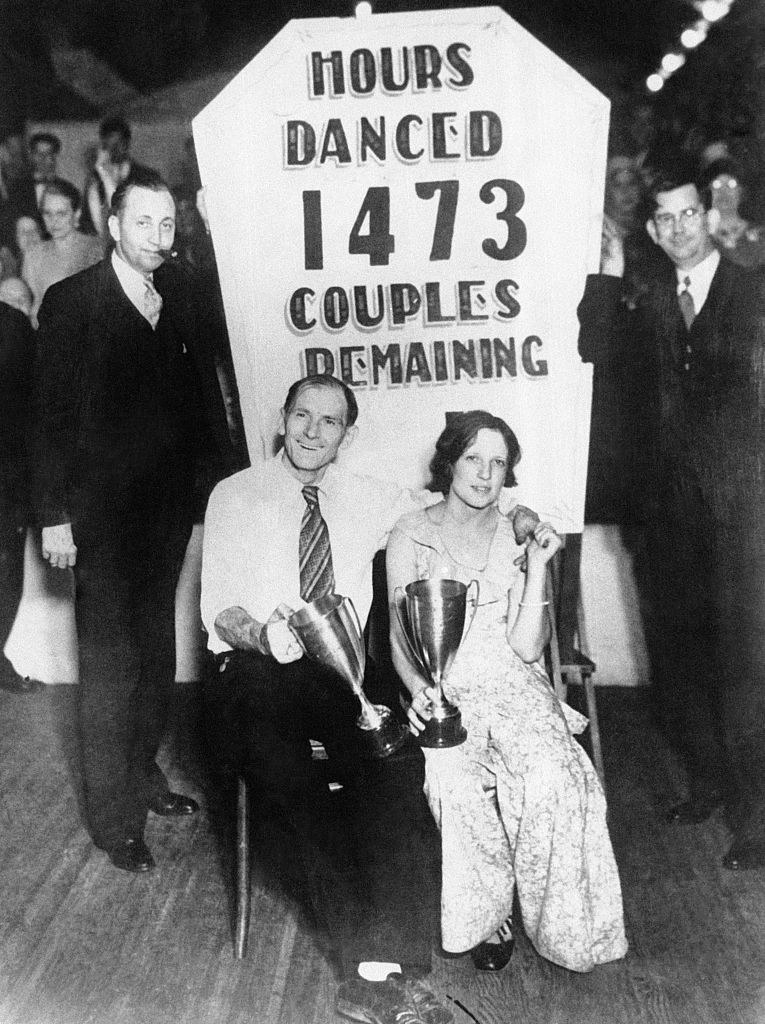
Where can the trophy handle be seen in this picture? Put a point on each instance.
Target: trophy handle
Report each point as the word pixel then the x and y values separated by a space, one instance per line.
pixel 354 614
pixel 297 636
pixel 347 603
pixel 399 593
pixel 475 587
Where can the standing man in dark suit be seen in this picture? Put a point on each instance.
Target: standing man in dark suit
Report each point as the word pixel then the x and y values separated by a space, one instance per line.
pixel 17 347
pixel 692 352
pixel 129 405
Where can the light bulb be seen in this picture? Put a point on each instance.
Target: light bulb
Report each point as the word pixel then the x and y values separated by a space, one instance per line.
pixel 672 61
pixel 654 82
pixel 691 37
pixel 713 10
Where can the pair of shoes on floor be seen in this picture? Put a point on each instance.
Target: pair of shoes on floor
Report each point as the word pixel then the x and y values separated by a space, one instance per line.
pixel 745 854
pixel 493 956
pixel 397 1000
pixel 171 805
pixel 697 808
pixel 12 682
pixel 131 855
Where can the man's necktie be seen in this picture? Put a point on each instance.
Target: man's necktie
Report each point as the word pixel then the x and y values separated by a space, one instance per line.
pixel 316 574
pixel 686 304
pixel 152 304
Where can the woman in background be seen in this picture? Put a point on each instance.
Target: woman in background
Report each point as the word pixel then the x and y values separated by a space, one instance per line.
pixel 66 251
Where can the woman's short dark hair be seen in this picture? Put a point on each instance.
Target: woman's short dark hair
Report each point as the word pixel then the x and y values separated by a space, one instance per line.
pixel 461 430
pixel 65 189
pixel 323 380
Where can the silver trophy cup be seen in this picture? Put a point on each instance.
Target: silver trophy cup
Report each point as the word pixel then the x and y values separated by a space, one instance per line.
pixel 434 620
pixel 329 631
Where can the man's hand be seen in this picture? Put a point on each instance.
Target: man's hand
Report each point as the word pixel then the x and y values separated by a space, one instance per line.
pixel 611 250
pixel 282 642
pixel 58 546
pixel 420 711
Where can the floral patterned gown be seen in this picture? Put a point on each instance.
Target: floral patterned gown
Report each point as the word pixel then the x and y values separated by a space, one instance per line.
pixel 519 803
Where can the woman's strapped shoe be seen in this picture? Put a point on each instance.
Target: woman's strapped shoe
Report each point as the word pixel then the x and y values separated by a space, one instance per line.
pixel 493 956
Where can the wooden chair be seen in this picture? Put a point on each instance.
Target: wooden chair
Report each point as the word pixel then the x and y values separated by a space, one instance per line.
pixel 242 926
pixel 243 855
pixel 567 664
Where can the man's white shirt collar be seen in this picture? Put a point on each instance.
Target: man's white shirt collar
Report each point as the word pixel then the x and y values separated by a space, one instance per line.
pixel 133 284
pixel 700 277
pixel 324 486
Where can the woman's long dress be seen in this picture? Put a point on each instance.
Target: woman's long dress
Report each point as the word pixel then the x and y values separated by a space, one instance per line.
pixel 519 803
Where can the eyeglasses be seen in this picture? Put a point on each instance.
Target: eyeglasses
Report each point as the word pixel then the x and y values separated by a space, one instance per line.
pixel 668 221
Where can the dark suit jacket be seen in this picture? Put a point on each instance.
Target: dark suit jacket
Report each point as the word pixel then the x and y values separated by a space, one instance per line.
pixel 17 347
pixel 703 422
pixel 22 201
pixel 112 395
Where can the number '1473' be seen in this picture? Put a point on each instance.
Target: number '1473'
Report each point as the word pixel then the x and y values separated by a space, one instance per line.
pixel 371 235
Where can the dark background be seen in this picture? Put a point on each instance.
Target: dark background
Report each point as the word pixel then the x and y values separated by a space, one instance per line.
pixel 151 43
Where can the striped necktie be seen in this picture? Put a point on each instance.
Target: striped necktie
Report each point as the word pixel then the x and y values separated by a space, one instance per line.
pixel 686 304
pixel 316 574
pixel 152 303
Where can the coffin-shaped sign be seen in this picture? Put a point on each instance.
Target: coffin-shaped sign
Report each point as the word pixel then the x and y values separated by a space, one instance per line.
pixel 411 202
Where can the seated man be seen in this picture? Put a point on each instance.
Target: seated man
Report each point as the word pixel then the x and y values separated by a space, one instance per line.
pixel 366 858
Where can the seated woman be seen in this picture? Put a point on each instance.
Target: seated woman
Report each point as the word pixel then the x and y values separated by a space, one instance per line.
pixel 519 803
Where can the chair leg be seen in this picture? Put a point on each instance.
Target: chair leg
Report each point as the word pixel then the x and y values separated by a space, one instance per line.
pixel 242 869
pixel 592 713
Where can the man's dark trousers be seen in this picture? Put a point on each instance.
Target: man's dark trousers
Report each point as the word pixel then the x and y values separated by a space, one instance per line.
pixel 129 553
pixel 368 857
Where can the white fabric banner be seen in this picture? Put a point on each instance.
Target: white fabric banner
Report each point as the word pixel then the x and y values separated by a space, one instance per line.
pixel 411 202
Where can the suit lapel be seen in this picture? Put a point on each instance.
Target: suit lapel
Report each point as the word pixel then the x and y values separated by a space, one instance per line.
pixel 717 299
pixel 114 308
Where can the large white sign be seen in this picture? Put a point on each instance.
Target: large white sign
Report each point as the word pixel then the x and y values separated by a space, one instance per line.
pixel 411 202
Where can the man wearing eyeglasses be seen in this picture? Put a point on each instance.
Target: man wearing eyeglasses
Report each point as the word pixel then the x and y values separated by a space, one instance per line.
pixel 691 362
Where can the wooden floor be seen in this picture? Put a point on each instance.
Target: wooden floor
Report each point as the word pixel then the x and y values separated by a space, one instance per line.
pixel 83 943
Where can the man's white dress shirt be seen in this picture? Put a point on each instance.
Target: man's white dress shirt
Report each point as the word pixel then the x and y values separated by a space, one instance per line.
pixel 252 531
pixel 133 284
pixel 700 278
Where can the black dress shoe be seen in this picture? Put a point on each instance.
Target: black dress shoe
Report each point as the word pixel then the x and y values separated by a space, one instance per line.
pixel 493 956
pixel 173 804
pixel 131 855
pixel 12 682
pixel 745 855
pixel 696 809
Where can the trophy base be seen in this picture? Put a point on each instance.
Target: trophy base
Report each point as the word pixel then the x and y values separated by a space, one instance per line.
pixel 385 738
pixel 444 729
